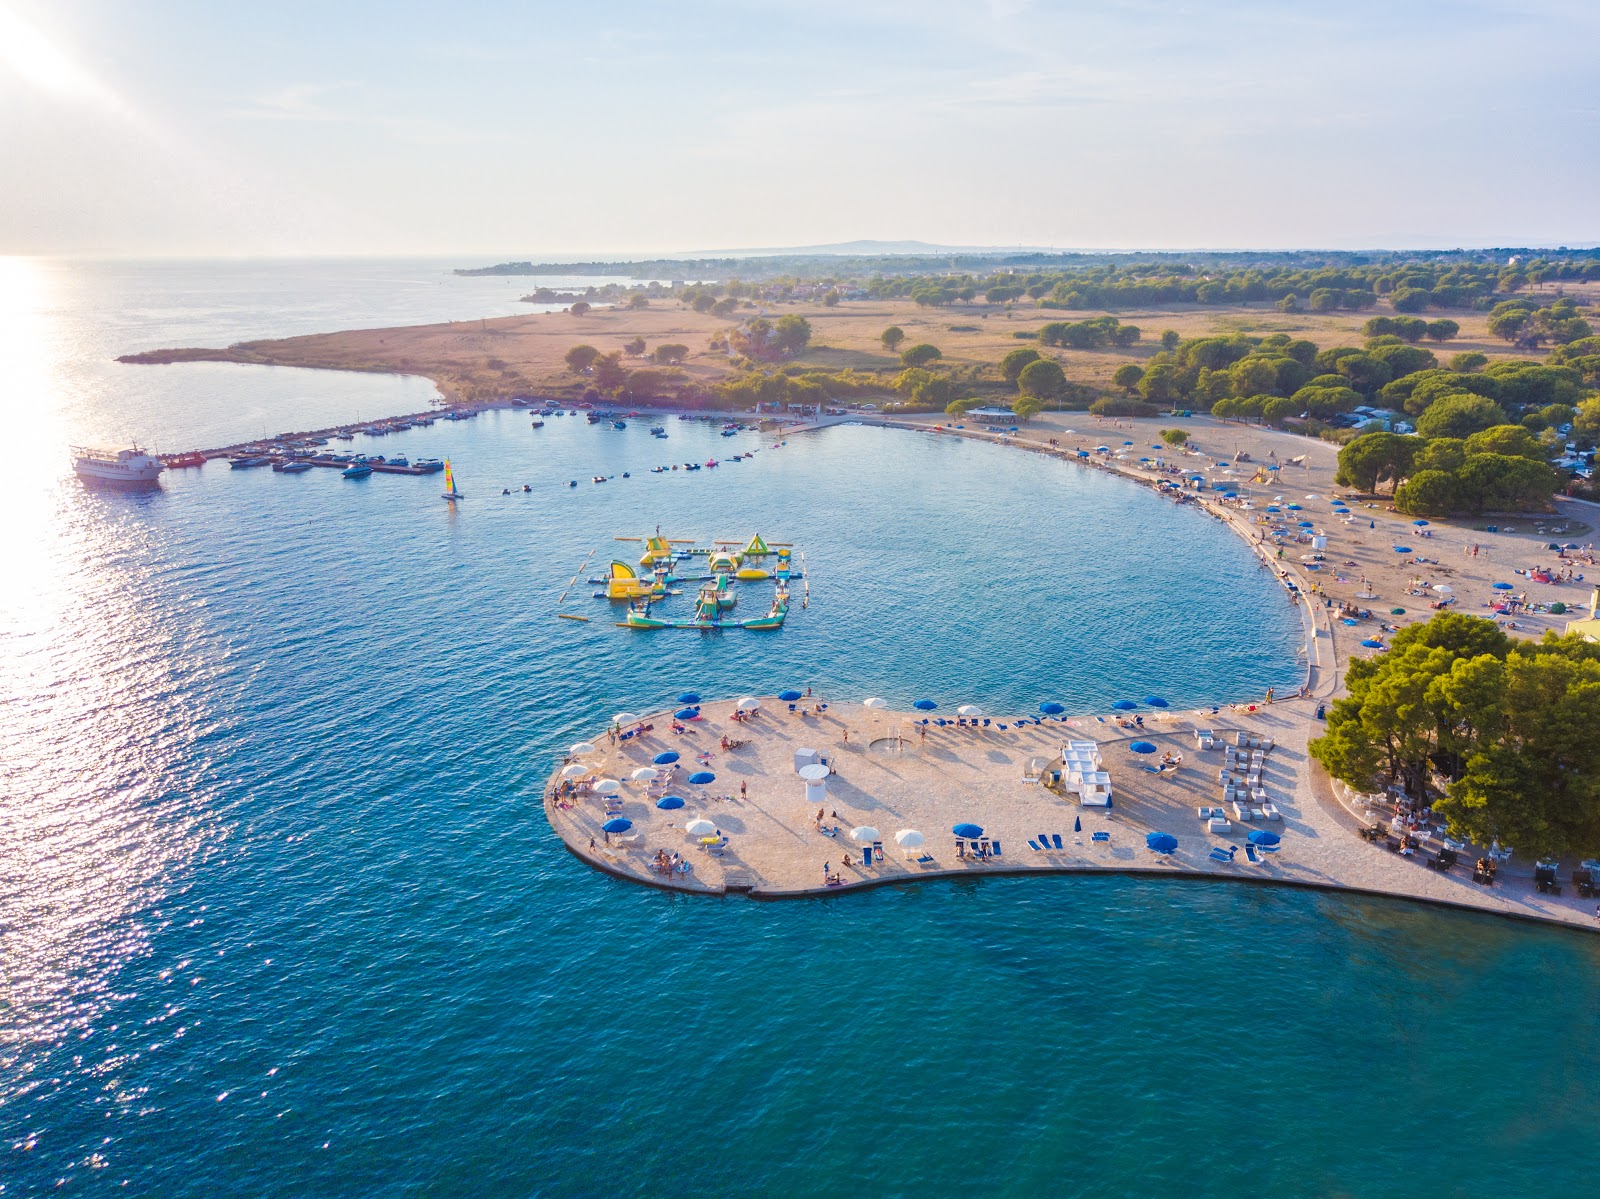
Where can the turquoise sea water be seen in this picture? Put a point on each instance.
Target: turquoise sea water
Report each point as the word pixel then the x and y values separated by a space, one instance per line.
pixel 281 914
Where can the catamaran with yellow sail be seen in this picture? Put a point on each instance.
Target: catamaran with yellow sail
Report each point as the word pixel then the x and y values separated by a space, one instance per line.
pixel 450 493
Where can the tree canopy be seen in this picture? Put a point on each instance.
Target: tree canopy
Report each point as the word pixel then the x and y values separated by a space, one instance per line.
pixel 1497 734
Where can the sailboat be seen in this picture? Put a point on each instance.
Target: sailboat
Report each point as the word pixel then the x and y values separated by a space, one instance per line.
pixel 450 492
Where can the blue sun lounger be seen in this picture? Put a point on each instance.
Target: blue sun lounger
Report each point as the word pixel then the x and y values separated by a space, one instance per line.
pixel 1044 840
pixel 1101 836
pixel 1250 852
pixel 1056 837
pixel 994 848
pixel 1218 854
pixel 1033 845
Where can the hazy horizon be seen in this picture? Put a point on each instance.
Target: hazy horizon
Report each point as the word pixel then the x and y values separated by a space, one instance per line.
pixel 178 129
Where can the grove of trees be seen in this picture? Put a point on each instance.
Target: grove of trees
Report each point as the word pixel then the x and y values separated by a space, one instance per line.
pixel 1497 734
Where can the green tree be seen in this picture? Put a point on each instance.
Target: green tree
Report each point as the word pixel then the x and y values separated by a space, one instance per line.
pixel 1013 363
pixel 1460 416
pixel 921 355
pixel 1170 340
pixel 790 335
pixel 1160 385
pixel 669 353
pixel 962 407
pixel 892 337
pixel 1442 329
pixel 1441 453
pixel 1512 440
pixel 580 358
pixel 1176 438
pixel 608 372
pixel 579 307
pixel 1374 458
pixel 1429 493
pixel 1127 376
pixel 1043 380
pixel 1278 409
pixel 1468 361
pixel 634 347
pixel 1026 406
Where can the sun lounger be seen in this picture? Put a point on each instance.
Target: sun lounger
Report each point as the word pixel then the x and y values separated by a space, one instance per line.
pixel 1218 854
pixel 866 855
pixel 1033 845
pixel 1056 838
pixel 995 848
pixel 1044 840
pixel 925 860
pixel 1101 836
pixel 877 849
pixel 1250 852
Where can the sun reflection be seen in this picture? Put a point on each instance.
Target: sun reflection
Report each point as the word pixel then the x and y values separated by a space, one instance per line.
pixel 94 787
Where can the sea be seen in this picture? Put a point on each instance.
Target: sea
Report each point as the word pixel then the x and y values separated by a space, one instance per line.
pixel 281 914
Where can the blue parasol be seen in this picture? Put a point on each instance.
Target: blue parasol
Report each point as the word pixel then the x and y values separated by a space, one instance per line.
pixel 1420 523
pixel 789 696
pixel 688 697
pixel 701 777
pixel 1161 842
pixel 1261 836
pixel 1503 587
pixel 1371 644
pixel 1143 747
pixel 925 705
pixel 686 714
pixel 1124 705
pixel 665 757
pixel 668 803
pixel 1155 701
pixel 617 824
pixel 1051 708
pixel 967 830
pixel 1402 549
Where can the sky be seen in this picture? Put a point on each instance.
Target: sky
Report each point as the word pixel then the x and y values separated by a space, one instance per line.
pixel 508 130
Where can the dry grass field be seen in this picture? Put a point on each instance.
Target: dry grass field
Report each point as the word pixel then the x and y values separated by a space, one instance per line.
pixel 507 355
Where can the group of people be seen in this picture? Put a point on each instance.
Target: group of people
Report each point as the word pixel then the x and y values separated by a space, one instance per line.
pixel 663 863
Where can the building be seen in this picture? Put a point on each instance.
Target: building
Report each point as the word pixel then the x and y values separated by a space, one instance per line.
pixel 1589 627
pixel 993 416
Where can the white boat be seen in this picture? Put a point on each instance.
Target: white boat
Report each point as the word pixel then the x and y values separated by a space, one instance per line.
pixel 130 467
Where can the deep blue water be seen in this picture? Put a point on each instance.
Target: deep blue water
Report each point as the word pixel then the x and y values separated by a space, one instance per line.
pixel 280 912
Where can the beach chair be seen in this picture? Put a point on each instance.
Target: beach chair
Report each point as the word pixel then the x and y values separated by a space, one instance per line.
pixel 877 850
pixel 1250 852
pixel 1100 836
pixel 1218 854
pixel 1033 845
pixel 994 847
pixel 866 855
pixel 925 860
pixel 1056 838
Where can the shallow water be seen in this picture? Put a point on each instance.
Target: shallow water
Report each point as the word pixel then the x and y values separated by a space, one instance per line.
pixel 281 912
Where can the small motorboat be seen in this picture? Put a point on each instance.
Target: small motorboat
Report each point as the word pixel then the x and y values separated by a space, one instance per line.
pixel 526 488
pixel 297 467
pixel 574 483
pixel 245 461
pixel 344 436
pixel 399 460
pixel 356 470
pixel 537 423
pixel 619 424
pixel 428 466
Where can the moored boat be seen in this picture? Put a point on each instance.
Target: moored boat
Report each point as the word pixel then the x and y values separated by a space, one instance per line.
pixel 131 467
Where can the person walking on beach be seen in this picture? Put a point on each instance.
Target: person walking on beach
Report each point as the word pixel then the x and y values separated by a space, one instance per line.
pixel 847 736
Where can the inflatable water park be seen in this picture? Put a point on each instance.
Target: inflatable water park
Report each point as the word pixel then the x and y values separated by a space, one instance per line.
pixel 716 574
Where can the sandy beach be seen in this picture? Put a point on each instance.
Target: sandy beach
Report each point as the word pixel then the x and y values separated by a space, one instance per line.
pixel 889 775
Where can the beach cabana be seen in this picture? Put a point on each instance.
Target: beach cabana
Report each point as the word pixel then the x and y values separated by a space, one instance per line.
pixel 816 780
